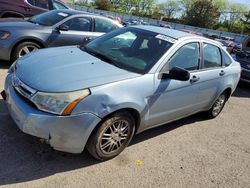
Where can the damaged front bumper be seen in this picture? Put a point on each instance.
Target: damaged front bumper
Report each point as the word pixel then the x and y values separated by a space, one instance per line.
pixel 64 133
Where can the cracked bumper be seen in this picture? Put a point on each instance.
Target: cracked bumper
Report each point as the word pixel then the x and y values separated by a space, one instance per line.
pixel 64 133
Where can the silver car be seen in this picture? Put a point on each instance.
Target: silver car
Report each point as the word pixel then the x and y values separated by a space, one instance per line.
pixel 100 95
pixel 51 29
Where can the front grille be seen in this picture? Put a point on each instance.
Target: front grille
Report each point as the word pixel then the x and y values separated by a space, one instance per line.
pixel 22 88
pixel 25 99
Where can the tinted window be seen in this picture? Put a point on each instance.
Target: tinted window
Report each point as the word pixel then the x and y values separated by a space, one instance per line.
pixel 49 18
pixel 129 48
pixel 79 24
pixel 58 5
pixel 40 3
pixel 226 59
pixel 104 26
pixel 212 56
pixel 186 57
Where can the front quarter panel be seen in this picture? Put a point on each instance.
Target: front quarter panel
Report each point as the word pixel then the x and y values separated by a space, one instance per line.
pixel 106 99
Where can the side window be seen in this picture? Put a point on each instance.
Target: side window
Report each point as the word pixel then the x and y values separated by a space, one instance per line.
pixel 32 2
pixel 40 3
pixel 212 56
pixel 226 59
pixel 104 26
pixel 58 5
pixel 79 24
pixel 186 57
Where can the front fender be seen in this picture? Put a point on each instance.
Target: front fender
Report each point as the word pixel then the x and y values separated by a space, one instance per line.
pixel 106 99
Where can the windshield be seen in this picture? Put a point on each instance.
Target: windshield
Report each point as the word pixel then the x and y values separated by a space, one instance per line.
pixel 130 48
pixel 49 18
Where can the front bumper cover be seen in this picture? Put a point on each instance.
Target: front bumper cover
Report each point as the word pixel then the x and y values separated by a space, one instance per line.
pixel 64 133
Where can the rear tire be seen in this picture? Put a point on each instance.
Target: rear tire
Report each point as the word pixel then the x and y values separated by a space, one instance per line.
pixel 23 49
pixel 112 137
pixel 217 107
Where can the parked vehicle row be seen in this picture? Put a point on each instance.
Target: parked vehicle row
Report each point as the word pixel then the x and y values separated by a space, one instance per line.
pixel 50 29
pixel 99 95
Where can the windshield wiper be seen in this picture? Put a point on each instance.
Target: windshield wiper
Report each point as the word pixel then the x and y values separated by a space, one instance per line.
pixel 102 57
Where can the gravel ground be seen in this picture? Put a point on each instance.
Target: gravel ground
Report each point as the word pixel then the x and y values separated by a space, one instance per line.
pixel 192 152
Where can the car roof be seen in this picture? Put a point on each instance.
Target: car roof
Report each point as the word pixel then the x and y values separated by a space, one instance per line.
pixel 71 11
pixel 176 34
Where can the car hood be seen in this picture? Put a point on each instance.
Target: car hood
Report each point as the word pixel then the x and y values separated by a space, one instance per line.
pixel 67 69
pixel 21 24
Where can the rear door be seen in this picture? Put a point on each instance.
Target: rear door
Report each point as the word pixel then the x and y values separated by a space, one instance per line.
pixel 103 25
pixel 212 75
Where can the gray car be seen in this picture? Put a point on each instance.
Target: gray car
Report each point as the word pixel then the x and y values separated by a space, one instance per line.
pixel 122 83
pixel 50 29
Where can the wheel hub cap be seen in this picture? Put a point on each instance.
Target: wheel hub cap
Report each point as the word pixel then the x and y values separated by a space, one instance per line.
pixel 26 49
pixel 114 136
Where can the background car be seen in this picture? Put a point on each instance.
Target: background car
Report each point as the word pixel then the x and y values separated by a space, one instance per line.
pixel 243 57
pixel 50 29
pixel 125 82
pixel 28 8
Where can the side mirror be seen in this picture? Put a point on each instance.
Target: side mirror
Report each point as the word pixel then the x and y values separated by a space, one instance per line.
pixel 63 27
pixel 176 73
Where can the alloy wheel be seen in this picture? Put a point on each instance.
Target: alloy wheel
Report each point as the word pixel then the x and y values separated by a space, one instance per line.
pixel 114 136
pixel 218 105
pixel 26 49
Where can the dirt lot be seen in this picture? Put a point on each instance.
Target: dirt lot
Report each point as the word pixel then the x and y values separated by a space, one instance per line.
pixel 188 153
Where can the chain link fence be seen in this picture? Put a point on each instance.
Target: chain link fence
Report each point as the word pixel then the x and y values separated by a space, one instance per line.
pixel 237 37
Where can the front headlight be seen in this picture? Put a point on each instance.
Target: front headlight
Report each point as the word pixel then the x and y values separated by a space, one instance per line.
pixel 4 35
pixel 59 103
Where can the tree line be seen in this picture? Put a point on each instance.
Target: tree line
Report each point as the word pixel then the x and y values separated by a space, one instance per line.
pixel 221 15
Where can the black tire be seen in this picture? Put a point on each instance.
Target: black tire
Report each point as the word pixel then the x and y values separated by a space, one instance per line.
pixel 119 129
pixel 18 51
pixel 217 107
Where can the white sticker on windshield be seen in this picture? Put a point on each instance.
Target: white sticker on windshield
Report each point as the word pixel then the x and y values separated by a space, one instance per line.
pixel 62 14
pixel 166 38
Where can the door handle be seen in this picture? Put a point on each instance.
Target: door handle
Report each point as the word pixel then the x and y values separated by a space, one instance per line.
pixel 194 79
pixel 222 73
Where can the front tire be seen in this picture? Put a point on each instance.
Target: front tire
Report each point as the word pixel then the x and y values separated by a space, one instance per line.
pixel 24 48
pixel 112 137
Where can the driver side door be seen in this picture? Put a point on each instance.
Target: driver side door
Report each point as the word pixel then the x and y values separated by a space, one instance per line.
pixel 174 99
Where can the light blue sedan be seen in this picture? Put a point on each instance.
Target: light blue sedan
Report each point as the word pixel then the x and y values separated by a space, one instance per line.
pixel 132 79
